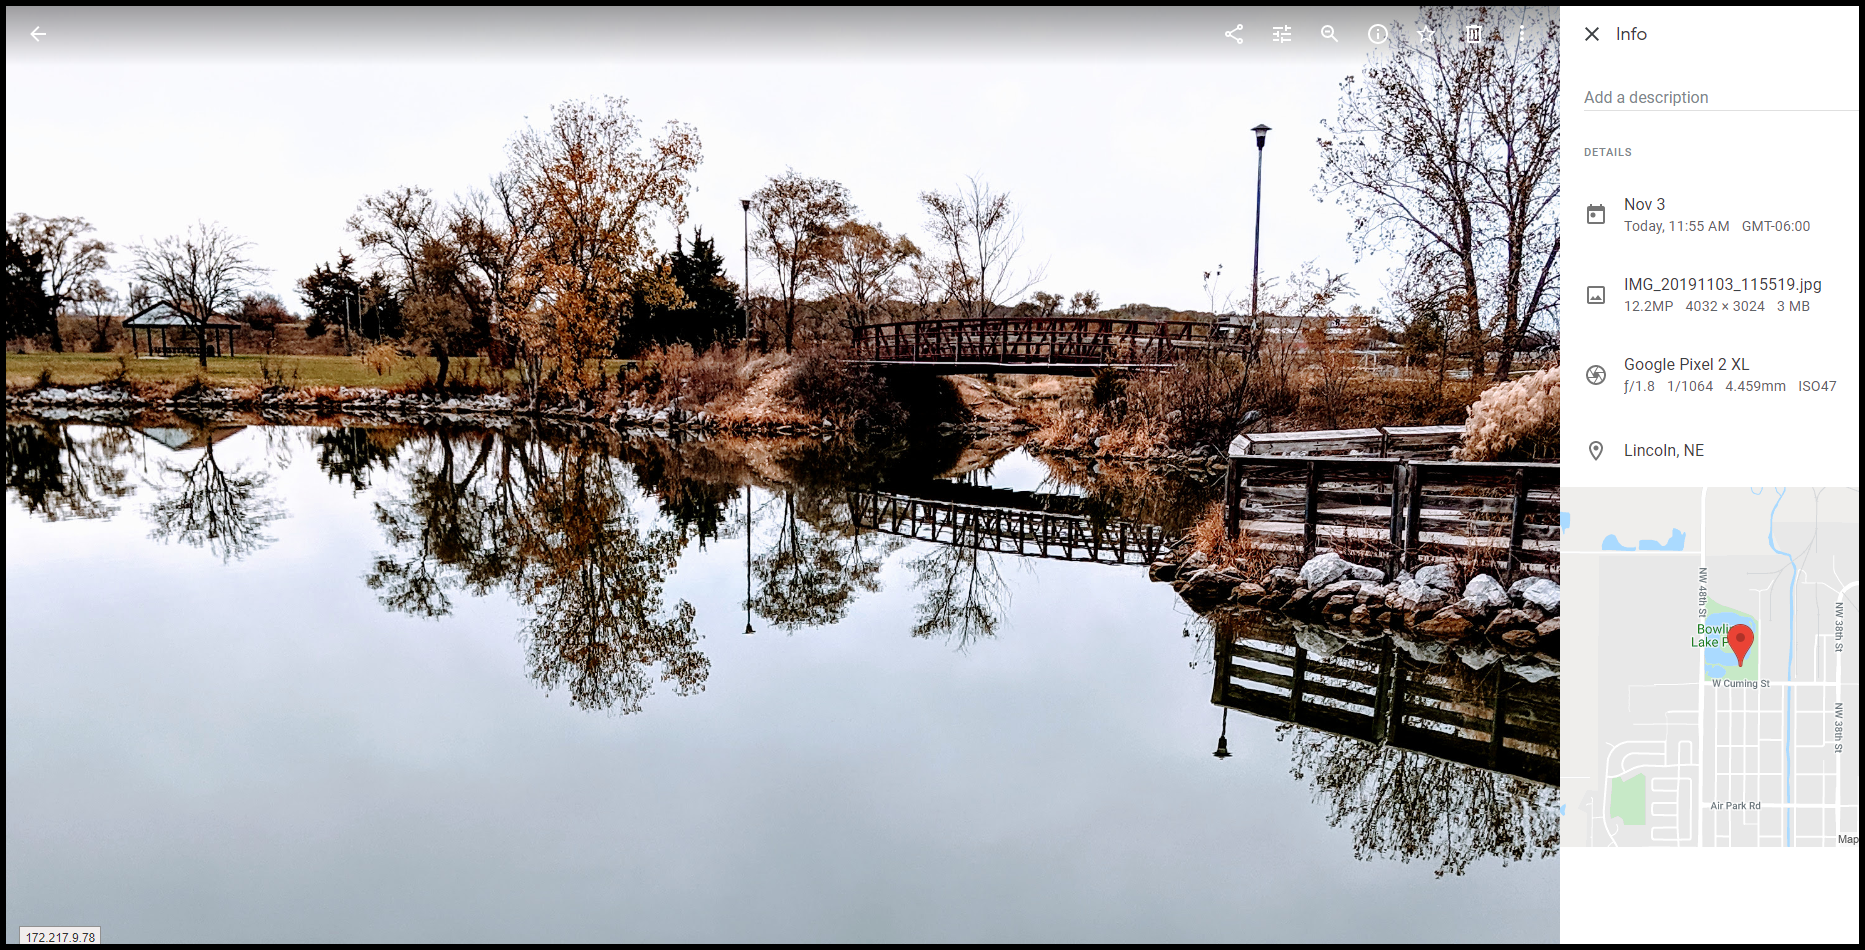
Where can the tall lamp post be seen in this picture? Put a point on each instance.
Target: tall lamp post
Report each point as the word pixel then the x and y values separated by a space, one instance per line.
pixel 745 204
pixel 1256 254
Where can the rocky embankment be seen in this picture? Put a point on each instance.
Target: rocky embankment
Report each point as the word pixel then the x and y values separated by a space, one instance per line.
pixel 54 402
pixel 1332 602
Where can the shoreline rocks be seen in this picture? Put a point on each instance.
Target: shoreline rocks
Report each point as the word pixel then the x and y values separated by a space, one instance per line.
pixel 1427 613
pixel 418 408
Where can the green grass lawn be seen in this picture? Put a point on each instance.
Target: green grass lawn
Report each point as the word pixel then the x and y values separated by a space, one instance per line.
pixel 81 369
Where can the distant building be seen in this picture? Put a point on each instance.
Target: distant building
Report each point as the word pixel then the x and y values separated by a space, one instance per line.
pixel 155 322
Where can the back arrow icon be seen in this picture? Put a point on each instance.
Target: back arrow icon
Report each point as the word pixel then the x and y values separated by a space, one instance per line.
pixel 35 34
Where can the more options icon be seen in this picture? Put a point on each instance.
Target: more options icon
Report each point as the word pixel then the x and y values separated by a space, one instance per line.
pixel 1377 33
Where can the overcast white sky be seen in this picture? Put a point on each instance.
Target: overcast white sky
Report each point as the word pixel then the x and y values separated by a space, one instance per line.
pixel 1123 137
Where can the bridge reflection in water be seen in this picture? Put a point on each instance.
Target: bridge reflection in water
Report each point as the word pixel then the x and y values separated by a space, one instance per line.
pixel 1026 524
pixel 1376 693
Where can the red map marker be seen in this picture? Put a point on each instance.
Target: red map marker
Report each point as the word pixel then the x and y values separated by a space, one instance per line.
pixel 1740 639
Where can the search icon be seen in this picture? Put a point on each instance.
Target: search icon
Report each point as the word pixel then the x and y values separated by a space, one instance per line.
pixel 1327 33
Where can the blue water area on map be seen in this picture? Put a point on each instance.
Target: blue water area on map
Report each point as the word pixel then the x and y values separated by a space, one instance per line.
pixel 1719 662
pixel 1612 542
pixel 1567 520
pixel 1676 543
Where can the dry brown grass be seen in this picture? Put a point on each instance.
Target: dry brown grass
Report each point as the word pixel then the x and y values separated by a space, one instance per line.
pixel 763 401
pixel 678 376
pixel 1204 403
pixel 1250 554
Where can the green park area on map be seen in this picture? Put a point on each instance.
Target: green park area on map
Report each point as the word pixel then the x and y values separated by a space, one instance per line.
pixel 1628 799
pixel 1719 662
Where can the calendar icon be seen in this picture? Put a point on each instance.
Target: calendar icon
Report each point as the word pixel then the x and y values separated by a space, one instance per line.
pixel 1596 214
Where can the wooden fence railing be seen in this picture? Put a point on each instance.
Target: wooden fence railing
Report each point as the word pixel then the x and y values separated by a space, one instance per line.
pixel 1400 511
pixel 1380 441
pixel 1024 533
pixel 1372 692
pixel 1044 341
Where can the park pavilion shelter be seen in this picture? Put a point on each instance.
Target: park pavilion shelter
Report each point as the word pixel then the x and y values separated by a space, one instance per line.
pixel 168 330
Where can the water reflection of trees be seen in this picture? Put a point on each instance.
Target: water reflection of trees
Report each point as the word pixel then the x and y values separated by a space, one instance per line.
pixel 1173 500
pixel 57 472
pixel 810 574
pixel 963 594
pixel 351 454
pixel 206 505
pixel 551 523
pixel 1412 806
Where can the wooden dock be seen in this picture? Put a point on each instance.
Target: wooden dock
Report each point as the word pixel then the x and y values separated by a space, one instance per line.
pixel 1375 693
pixel 1399 511
pixel 1024 532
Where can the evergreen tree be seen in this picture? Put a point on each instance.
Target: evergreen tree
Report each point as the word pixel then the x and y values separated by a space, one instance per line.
pixel 708 310
pixel 330 294
pixel 29 309
pixel 718 316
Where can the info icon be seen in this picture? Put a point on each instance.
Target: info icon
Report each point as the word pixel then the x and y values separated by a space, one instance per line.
pixel 1596 214
pixel 1596 293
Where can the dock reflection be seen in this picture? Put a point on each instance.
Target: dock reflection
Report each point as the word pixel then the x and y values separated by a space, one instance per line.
pixel 1422 761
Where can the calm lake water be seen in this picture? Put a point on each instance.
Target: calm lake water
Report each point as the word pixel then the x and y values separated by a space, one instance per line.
pixel 340 683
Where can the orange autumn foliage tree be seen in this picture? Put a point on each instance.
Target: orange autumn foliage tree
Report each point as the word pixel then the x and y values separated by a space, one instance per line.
pixel 595 187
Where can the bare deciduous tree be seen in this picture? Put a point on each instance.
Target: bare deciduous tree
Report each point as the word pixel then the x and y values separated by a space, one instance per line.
pixel 1047 304
pixel 860 265
pixel 70 260
pixel 494 230
pixel 794 216
pixel 396 225
pixel 200 273
pixel 981 231
pixel 1454 146
pixel 97 304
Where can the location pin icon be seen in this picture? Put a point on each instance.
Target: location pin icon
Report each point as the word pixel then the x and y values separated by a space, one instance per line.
pixel 1596 448
pixel 1740 639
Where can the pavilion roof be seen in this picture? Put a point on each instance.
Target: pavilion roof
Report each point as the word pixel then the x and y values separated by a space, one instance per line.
pixel 165 314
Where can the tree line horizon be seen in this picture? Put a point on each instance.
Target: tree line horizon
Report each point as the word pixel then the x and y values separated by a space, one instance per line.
pixel 1446 157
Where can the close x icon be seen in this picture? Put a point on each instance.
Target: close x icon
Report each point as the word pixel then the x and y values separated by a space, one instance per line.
pixel 1593 34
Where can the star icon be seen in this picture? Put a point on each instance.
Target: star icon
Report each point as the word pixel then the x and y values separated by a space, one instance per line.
pixel 1236 34
pixel 1426 34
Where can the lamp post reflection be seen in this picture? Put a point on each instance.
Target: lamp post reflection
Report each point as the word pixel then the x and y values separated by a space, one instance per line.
pixel 748 560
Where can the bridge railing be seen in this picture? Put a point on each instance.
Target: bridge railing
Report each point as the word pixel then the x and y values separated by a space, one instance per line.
pixel 1046 340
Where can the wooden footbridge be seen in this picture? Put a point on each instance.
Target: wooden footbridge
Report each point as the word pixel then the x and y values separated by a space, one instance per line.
pixel 1073 346
pixel 1490 719
pixel 1026 524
